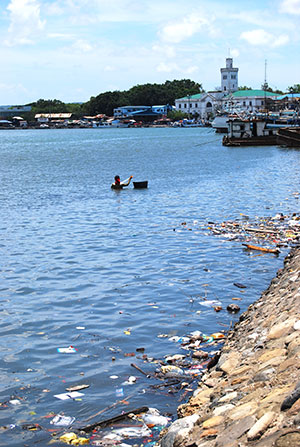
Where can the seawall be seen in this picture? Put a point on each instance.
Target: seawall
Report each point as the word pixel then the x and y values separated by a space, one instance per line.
pixel 251 397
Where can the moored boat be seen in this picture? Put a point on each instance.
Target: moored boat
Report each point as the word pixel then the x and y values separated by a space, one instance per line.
pixel 289 136
pixel 249 132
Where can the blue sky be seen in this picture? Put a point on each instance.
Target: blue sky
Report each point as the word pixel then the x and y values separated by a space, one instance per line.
pixel 74 49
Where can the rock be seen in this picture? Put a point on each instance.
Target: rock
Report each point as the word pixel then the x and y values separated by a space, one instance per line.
pixel 209 432
pixel 295 408
pixel 293 361
pixel 275 396
pixel 297 325
pixel 202 397
pixel 228 397
pixel 280 329
pixel 291 398
pixel 239 380
pixel 213 422
pixel 200 355
pixel 234 431
pixel 243 410
pixel 220 410
pixel 272 362
pixel 294 346
pixel 211 383
pixel 261 425
pixel 288 440
pixel 228 362
pixel 271 354
pixel 297 419
pixel 263 376
pixel 233 308
pixel 179 430
pixel 239 371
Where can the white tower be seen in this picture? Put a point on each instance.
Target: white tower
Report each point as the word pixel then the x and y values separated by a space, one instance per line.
pixel 229 77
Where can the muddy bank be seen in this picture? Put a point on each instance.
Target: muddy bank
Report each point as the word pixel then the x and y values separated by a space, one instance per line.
pixel 252 395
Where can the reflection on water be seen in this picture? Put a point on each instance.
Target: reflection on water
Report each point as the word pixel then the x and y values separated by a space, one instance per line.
pixel 108 272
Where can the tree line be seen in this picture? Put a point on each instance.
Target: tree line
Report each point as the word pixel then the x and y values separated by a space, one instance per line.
pixel 145 94
pixel 105 103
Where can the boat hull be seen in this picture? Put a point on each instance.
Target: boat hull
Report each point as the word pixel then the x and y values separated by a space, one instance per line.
pixel 269 140
pixel 289 137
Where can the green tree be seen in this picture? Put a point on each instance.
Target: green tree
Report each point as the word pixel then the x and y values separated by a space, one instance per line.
pixel 244 87
pixel 267 88
pixel 177 115
pixel 294 89
pixel 145 94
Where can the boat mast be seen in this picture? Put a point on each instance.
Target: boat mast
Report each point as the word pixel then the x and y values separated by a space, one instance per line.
pixel 265 86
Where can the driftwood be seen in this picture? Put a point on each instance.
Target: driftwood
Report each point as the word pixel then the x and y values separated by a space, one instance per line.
pixel 264 249
pixel 259 230
pixel 140 370
pixel 106 422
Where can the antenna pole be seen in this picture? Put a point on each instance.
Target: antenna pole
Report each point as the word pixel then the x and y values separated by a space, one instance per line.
pixel 265 85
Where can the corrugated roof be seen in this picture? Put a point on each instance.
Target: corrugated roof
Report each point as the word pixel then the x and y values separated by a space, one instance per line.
pixel 53 115
pixel 289 95
pixel 244 93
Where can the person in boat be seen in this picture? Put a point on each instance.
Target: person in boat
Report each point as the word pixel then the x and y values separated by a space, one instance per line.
pixel 118 184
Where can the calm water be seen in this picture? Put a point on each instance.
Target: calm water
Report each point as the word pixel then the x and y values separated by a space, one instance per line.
pixel 75 254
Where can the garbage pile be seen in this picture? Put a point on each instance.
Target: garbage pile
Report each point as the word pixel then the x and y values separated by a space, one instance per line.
pixel 176 374
pixel 265 234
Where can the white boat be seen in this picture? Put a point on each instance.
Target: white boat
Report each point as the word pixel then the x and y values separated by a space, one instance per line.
pixel 115 123
pixel 220 123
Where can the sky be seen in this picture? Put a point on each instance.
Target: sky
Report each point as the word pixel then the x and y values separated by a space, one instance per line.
pixel 74 49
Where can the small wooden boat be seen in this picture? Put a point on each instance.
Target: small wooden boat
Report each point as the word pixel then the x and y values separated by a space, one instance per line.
pixel 264 249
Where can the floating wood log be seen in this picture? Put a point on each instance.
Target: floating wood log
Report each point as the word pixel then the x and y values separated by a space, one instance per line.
pixel 140 370
pixel 112 420
pixel 259 230
pixel 264 249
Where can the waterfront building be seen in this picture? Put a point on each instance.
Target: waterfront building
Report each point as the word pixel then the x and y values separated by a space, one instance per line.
pixel 144 113
pixel 289 101
pixel 132 111
pixel 228 98
pixel 205 105
pixel 201 105
pixel 248 100
pixel 10 111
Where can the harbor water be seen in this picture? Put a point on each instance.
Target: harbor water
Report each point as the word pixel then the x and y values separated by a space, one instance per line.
pixel 109 272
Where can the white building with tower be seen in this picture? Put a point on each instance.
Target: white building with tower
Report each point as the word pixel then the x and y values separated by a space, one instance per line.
pixel 229 77
pixel 205 105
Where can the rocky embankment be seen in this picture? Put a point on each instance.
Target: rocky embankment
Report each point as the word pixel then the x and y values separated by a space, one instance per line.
pixel 251 397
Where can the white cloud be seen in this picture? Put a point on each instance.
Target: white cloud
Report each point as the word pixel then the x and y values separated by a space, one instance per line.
pixel 290 7
pixel 164 67
pixel 191 70
pixel 234 52
pixel 167 67
pixel 54 9
pixel 25 22
pixel 260 37
pixel 164 50
pixel 13 91
pixel 178 31
pixel 82 46
pixel 109 68
pixel 61 36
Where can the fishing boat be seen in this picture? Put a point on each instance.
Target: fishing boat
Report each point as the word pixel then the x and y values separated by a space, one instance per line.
pixel 289 136
pixel 249 132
